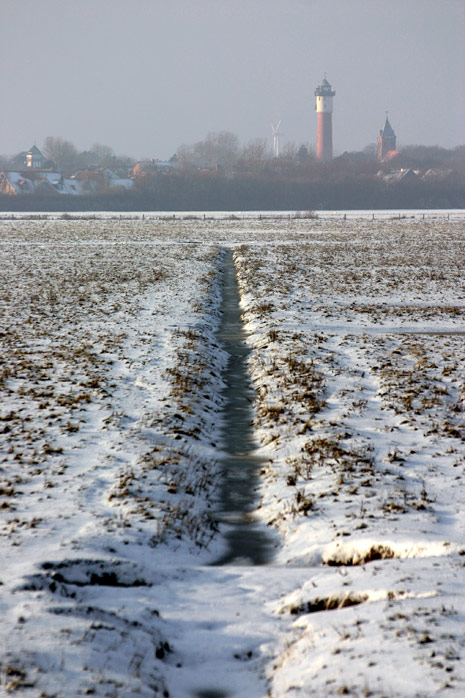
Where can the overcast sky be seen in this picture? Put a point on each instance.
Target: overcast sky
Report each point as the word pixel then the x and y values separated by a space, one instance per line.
pixel 145 76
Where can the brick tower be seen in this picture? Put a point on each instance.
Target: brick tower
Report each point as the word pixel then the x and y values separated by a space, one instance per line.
pixel 324 108
pixel 386 140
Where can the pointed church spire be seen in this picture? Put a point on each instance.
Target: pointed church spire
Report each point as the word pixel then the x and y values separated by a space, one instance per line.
pixel 388 131
pixel 386 139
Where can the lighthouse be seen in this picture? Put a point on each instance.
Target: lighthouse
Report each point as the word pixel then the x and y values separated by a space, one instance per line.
pixel 324 108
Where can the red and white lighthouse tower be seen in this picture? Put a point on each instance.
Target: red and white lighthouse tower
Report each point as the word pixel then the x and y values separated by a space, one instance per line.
pixel 324 108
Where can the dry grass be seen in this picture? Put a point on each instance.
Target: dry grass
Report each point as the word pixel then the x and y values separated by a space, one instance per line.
pixel 312 384
pixel 68 302
pixel 328 603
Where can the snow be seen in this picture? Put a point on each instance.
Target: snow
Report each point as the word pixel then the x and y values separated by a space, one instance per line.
pixel 110 423
pixel 340 215
pixel 357 363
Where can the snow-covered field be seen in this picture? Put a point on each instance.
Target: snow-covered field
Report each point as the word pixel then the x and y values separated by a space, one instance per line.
pixel 110 416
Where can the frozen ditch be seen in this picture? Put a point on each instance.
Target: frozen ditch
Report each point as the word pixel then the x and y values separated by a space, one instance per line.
pixel 247 542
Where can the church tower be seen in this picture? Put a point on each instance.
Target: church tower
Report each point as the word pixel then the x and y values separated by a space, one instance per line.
pixel 324 108
pixel 386 140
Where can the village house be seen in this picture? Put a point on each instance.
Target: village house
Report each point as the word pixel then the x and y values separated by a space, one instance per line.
pixel 98 179
pixel 28 173
pixel 37 182
pixel 439 175
pixel 151 167
pixel 31 173
pixel 403 176
pixel 32 159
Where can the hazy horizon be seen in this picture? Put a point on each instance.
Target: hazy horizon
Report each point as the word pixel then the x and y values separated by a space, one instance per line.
pixel 147 77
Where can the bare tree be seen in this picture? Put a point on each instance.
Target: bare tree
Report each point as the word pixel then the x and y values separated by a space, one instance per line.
pixel 104 155
pixel 218 150
pixel 63 153
pixel 289 150
pixel 257 150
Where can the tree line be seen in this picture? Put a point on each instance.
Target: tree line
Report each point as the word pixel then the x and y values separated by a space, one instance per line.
pixel 218 173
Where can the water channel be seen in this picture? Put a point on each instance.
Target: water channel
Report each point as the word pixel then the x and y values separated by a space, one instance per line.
pixel 248 542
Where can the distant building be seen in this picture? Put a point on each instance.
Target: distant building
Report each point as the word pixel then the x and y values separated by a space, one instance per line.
pixel 324 107
pixel 143 168
pixel 31 159
pixel 98 179
pixel 403 176
pixel 439 175
pixel 34 181
pixel 386 142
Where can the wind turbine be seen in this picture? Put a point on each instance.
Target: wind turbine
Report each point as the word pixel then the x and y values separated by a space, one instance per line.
pixel 276 134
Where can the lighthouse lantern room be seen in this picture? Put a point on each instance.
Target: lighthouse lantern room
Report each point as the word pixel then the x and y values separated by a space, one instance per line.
pixel 324 107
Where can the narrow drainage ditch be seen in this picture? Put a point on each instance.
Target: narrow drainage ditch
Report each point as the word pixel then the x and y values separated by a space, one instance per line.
pixel 248 542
